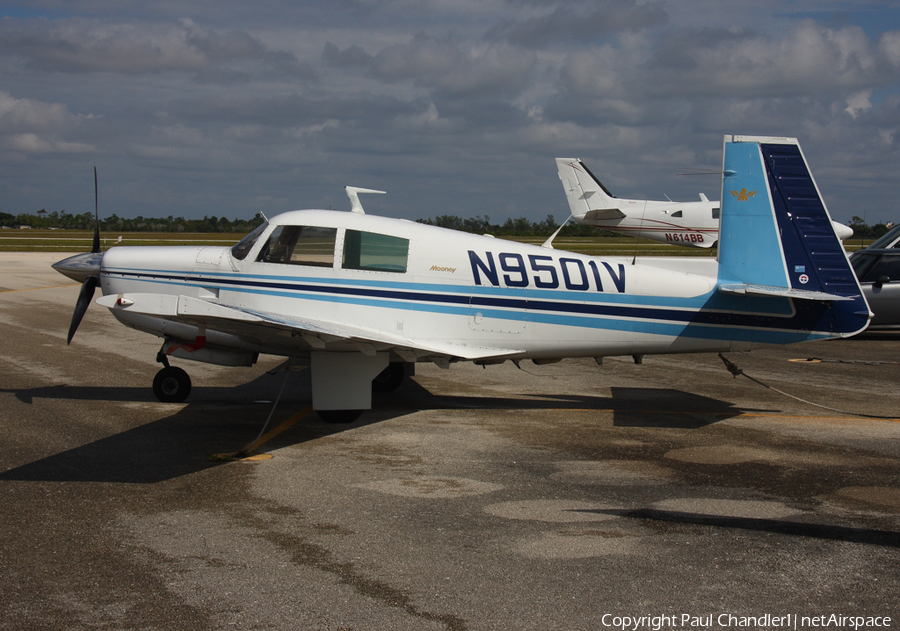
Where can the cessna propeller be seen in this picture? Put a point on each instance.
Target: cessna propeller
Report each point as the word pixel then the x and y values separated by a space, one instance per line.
pixel 84 268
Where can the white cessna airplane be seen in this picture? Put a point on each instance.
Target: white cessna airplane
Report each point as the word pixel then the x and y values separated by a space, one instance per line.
pixel 693 224
pixel 362 297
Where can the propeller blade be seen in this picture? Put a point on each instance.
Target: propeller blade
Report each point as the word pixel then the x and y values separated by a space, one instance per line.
pixel 84 300
pixel 96 246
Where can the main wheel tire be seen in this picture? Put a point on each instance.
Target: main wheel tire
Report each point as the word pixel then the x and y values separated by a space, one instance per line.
pixel 390 378
pixel 339 416
pixel 171 385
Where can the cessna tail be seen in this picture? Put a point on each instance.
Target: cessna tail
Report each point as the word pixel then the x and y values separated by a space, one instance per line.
pixel 363 298
pixel 692 224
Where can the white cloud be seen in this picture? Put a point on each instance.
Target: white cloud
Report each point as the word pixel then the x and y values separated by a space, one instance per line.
pixel 859 102
pixel 34 127
pixel 289 101
pixel 83 46
pixel 18 114
pixel 457 69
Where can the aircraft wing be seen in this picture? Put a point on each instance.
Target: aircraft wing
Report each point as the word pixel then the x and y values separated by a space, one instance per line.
pixel 260 325
pixel 604 214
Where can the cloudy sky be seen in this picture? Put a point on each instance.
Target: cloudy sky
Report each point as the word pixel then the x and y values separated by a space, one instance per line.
pixel 203 107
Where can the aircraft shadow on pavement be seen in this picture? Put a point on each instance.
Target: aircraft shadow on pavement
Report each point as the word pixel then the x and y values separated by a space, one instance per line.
pixel 778 526
pixel 214 420
pixel 631 407
pixel 226 419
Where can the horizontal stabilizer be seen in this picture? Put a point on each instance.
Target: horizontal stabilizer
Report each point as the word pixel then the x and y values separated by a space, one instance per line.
pixel 603 214
pixel 781 292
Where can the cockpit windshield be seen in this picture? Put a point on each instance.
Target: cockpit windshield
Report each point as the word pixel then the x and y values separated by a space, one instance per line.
pixel 243 247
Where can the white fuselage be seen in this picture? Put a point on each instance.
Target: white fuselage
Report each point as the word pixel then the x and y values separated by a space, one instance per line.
pixel 460 295
pixel 694 224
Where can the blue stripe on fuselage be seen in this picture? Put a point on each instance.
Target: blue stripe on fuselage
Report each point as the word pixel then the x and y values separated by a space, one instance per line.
pixel 709 316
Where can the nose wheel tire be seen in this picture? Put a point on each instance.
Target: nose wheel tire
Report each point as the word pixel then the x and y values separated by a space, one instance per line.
pixel 171 385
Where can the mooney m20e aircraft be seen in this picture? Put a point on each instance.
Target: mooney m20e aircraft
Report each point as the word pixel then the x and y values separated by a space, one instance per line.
pixel 693 224
pixel 362 297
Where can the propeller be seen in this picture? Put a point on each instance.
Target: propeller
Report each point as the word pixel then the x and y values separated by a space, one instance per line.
pixel 95 247
pixel 85 268
pixel 84 301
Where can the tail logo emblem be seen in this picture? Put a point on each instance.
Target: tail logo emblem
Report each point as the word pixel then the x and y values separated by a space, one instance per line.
pixel 743 195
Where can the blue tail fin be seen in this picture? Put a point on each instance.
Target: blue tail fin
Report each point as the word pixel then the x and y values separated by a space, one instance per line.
pixel 776 237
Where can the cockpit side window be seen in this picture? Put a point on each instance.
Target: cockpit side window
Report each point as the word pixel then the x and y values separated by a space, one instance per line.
pixel 300 245
pixel 243 247
pixel 375 252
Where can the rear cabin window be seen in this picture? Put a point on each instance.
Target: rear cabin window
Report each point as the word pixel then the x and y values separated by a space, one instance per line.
pixel 374 252
pixel 300 245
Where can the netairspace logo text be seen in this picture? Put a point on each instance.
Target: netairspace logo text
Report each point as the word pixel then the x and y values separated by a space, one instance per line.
pixel 727 620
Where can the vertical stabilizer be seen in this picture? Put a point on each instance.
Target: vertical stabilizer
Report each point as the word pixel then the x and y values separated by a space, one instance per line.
pixel 750 250
pixel 776 236
pixel 584 192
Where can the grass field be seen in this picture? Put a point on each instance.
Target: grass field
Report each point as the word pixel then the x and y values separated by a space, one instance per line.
pixel 80 241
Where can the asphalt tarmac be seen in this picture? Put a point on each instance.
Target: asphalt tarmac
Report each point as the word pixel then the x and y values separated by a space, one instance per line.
pixel 566 496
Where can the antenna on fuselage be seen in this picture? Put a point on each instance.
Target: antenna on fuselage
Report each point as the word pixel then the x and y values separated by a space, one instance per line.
pixel 549 242
pixel 353 194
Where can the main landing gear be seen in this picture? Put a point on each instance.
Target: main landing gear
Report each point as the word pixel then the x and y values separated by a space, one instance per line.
pixel 390 378
pixel 171 384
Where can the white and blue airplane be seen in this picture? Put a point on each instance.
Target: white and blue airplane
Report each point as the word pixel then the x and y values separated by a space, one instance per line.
pixel 364 298
pixel 692 224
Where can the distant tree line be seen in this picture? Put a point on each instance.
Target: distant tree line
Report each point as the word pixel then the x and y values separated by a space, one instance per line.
pixel 524 228
pixel 85 221
pixel 862 231
pixel 520 227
